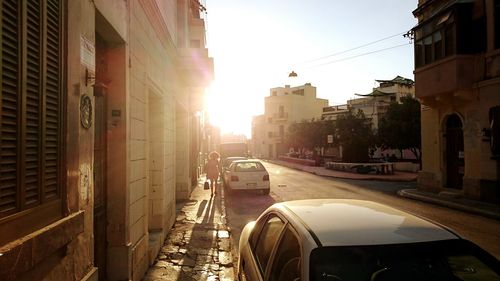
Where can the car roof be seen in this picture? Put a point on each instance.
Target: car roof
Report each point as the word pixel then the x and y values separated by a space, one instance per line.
pixel 246 161
pixel 343 222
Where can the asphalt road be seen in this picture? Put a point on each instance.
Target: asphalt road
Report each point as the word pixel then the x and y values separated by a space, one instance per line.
pixel 288 184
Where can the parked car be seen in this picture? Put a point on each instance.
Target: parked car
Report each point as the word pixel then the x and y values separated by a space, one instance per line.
pixel 246 175
pixel 227 161
pixel 343 240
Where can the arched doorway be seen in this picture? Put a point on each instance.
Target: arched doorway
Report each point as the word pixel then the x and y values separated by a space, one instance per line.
pixel 455 162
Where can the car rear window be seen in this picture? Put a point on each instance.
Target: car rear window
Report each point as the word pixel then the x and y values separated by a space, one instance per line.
pixel 452 260
pixel 249 167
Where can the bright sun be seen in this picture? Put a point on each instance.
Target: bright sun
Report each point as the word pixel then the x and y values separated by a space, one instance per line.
pixel 230 110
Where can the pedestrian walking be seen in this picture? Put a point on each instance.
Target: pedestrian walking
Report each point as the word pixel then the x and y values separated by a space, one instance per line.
pixel 212 168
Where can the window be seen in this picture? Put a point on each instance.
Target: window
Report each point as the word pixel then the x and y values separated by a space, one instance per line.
pixel 268 237
pixel 281 111
pixel 31 106
pixel 249 167
pixel 299 92
pixel 282 130
pixel 455 259
pixel 454 31
pixel 270 120
pixel 287 262
pixel 435 40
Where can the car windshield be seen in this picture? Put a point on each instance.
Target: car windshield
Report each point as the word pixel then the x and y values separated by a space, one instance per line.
pixel 440 261
pixel 249 167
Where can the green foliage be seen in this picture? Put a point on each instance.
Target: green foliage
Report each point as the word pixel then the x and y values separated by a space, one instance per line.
pixel 309 134
pixel 400 126
pixel 354 134
pixel 351 130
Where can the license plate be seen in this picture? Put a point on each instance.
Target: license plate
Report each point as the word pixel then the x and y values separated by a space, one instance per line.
pixel 251 184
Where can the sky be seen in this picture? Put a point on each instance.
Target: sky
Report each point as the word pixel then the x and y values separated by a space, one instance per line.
pixel 256 44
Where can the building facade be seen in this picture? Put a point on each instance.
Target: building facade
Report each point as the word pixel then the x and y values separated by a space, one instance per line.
pixel 283 107
pixel 257 141
pixel 99 133
pixel 457 78
pixel 375 104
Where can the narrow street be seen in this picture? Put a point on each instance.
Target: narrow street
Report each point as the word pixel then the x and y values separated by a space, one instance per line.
pixel 288 184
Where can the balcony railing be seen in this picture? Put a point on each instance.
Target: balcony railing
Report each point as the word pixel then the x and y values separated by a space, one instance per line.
pixel 280 116
pixel 275 135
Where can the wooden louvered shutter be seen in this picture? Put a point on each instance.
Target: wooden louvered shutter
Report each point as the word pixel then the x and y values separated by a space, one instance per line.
pixel 32 98
pixel 10 107
pixel 53 110
pixel 30 105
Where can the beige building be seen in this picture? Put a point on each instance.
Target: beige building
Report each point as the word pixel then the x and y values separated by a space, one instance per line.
pixel 257 141
pixel 457 78
pixel 375 104
pixel 99 133
pixel 284 106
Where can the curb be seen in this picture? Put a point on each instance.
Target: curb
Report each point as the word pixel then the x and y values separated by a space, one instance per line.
pixel 369 179
pixel 339 177
pixel 408 193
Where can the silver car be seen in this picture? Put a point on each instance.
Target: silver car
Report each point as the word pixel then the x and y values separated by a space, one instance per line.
pixel 344 240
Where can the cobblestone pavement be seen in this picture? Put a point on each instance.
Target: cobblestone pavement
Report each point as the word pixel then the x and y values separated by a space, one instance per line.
pixel 198 246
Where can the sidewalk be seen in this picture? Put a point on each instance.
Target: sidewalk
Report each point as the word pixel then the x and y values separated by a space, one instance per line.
pixel 443 199
pixel 322 171
pixel 198 246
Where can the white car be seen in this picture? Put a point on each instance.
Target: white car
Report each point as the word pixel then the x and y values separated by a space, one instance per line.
pixel 247 175
pixel 344 240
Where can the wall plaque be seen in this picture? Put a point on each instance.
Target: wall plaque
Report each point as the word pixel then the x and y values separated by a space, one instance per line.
pixel 86 111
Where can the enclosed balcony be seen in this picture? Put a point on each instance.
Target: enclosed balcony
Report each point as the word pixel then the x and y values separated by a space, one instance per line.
pixel 454 74
pixel 449 50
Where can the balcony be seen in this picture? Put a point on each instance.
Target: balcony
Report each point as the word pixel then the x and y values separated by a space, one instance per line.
pixel 275 135
pixel 455 74
pixel 282 116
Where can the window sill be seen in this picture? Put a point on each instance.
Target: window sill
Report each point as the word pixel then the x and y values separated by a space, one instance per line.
pixel 25 253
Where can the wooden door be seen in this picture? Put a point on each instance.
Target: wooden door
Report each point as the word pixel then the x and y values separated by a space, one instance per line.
pixel 454 153
pixel 100 161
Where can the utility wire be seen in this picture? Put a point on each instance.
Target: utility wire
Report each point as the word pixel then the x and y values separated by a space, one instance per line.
pixel 355 48
pixel 360 55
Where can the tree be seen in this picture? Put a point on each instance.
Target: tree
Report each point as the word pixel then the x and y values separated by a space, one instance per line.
pixel 400 126
pixel 309 134
pixel 354 134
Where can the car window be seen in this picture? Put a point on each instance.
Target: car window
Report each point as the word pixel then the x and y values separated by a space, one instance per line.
pixel 452 260
pixel 286 263
pixel 249 167
pixel 268 237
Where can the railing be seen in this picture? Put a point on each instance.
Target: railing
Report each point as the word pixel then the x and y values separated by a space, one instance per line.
pixel 306 162
pixel 280 116
pixel 385 168
pixel 276 135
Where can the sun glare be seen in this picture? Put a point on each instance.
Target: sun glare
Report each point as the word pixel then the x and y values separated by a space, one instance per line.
pixel 230 109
